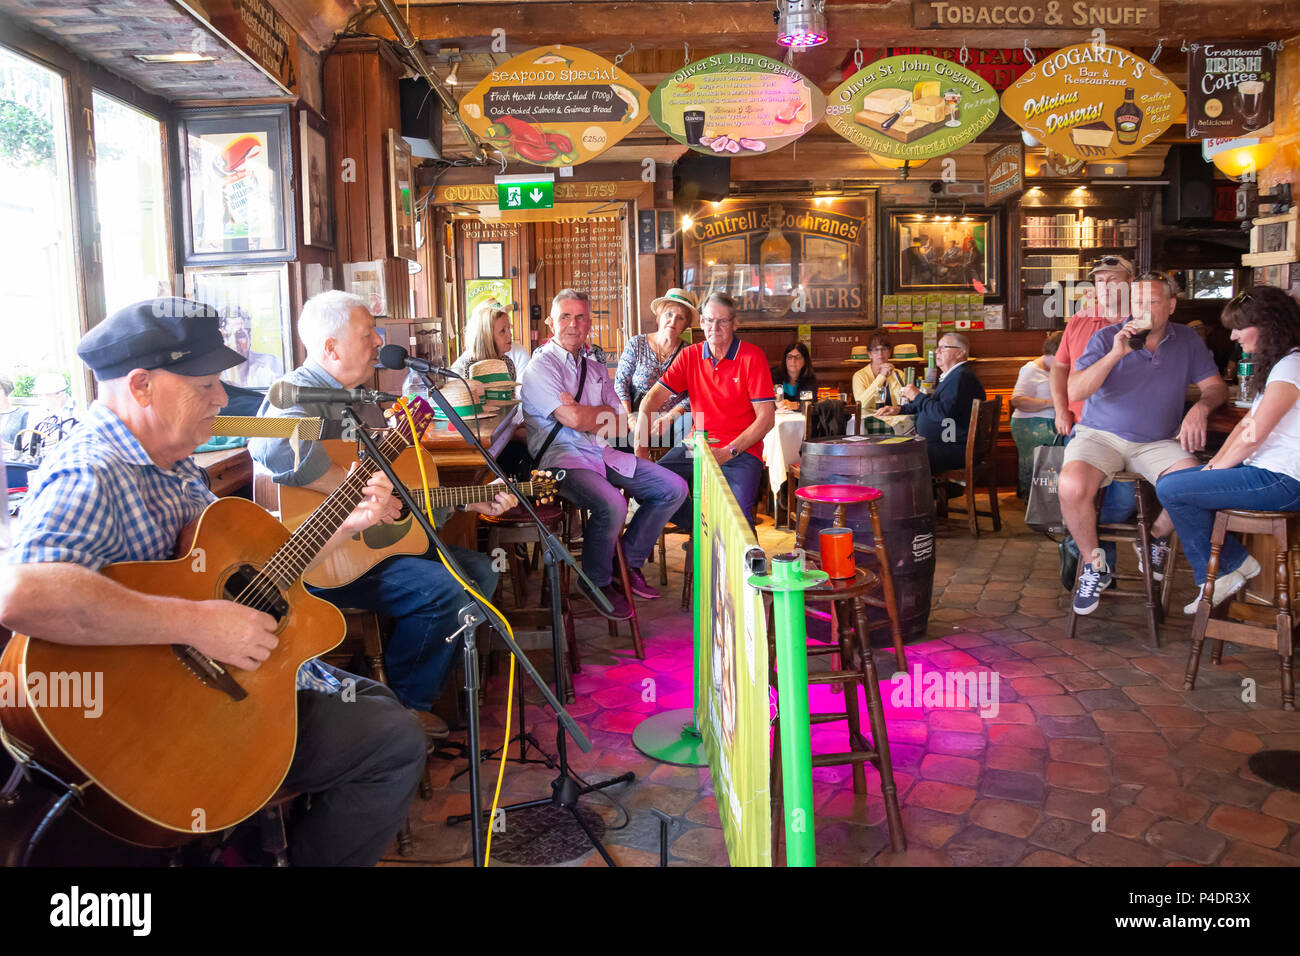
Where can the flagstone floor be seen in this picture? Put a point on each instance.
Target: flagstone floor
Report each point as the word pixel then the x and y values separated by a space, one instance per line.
pixel 1096 755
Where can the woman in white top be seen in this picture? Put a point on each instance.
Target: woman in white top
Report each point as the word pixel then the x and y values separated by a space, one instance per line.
pixel 1258 467
pixel 1033 417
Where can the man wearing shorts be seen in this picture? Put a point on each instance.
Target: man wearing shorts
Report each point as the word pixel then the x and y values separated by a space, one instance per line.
pixel 1133 417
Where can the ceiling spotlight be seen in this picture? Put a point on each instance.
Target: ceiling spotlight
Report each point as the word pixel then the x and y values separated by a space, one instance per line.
pixel 182 57
pixel 801 23
pixel 455 65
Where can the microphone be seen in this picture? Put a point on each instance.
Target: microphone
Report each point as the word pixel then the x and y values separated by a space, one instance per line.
pixel 394 356
pixel 286 395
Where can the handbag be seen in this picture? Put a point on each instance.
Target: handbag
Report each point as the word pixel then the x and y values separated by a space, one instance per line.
pixel 1043 511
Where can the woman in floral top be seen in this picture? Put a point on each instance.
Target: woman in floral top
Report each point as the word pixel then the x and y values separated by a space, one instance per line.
pixel 647 357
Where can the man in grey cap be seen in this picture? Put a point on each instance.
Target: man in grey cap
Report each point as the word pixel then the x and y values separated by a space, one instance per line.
pixel 121 488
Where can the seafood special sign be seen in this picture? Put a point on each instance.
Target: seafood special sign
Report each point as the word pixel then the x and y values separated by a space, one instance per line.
pixel 1093 101
pixel 912 107
pixel 554 106
pixel 736 104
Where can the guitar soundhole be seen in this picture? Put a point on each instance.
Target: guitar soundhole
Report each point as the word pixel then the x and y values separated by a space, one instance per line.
pixel 248 586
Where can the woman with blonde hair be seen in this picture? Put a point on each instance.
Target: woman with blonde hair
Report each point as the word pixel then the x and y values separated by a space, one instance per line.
pixel 487 336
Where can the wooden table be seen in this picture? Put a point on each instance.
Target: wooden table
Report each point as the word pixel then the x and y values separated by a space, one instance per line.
pixel 460 464
pixel 229 470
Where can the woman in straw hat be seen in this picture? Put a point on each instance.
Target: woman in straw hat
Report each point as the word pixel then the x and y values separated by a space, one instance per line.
pixel 647 357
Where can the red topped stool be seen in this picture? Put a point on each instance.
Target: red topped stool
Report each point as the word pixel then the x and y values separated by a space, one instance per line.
pixel 842 496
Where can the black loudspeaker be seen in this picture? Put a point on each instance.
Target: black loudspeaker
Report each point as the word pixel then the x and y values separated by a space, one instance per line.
pixel 421 118
pixel 700 177
pixel 1190 193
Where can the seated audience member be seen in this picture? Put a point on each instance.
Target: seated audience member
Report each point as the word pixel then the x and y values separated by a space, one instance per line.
pixel 50 422
pixel 1258 467
pixel 1133 420
pixel 1033 414
pixel 120 488
pixel 572 410
pixel 1109 304
pixel 943 417
pixel 646 358
pixel 731 400
pixel 417 592
pixel 488 336
pixel 793 377
pixel 878 376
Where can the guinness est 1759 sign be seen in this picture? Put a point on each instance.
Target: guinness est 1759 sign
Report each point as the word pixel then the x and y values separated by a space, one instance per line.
pixel 554 106
pixel 1093 101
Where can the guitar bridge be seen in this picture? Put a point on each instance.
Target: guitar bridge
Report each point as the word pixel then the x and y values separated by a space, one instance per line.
pixel 209 672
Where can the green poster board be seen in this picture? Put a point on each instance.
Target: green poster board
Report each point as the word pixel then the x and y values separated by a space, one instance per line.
pixel 480 290
pixel 912 107
pixel 733 710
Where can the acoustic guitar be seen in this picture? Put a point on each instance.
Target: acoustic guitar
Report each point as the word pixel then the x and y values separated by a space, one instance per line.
pixel 180 744
pixel 350 559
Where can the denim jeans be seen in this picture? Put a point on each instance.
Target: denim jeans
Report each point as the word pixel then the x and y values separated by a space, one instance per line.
pixel 423 599
pixel 1193 495
pixel 743 473
pixel 361 760
pixel 658 493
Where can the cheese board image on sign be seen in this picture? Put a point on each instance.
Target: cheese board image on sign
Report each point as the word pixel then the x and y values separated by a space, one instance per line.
pixel 912 107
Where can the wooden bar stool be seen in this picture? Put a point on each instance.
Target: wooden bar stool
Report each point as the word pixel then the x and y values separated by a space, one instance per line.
pixel 620 565
pixel 516 527
pixel 1154 594
pixel 1257 624
pixel 840 496
pixel 856 667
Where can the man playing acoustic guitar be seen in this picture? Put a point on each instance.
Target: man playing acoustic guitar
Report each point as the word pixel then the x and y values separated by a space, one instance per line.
pixel 120 488
pixel 418 592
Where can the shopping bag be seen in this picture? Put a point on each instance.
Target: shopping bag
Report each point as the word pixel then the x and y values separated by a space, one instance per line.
pixel 1043 512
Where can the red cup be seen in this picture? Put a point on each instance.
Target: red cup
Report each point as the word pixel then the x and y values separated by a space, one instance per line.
pixel 837 552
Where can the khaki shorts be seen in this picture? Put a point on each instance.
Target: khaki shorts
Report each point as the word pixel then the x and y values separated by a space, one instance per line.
pixel 1109 453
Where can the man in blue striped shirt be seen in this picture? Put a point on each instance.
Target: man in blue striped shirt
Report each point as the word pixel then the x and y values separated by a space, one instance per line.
pixel 120 488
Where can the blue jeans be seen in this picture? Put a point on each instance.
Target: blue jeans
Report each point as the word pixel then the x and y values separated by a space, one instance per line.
pixel 1193 495
pixel 743 473
pixel 423 599
pixel 658 493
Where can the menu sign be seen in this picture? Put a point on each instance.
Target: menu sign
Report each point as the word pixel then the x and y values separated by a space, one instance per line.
pixel 1093 101
pixel 1004 173
pixel 554 106
pixel 1230 89
pixel 258 30
pixel 998 68
pixel 912 107
pixel 736 104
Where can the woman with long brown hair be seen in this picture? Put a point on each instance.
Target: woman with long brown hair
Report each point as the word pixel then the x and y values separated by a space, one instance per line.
pixel 1258 467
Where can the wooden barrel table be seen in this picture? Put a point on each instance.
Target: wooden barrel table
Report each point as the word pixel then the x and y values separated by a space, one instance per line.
pixel 900 469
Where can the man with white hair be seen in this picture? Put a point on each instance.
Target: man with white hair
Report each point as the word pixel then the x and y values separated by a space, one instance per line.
pixel 943 416
pixel 418 592
pixel 46 425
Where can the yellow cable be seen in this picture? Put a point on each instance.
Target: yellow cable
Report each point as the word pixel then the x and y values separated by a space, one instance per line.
pixel 510 692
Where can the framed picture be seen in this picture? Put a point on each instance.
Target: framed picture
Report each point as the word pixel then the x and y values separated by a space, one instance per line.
pixel 645 232
pixel 1273 240
pixel 253 302
pixel 366 279
pixel 667 231
pixel 236 185
pixel 491 260
pixel 930 252
pixel 401 195
pixel 313 174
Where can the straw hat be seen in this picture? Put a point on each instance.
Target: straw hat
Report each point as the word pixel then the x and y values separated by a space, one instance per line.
pixel 495 374
pixel 860 353
pixel 677 297
pixel 49 383
pixel 458 396
pixel 906 353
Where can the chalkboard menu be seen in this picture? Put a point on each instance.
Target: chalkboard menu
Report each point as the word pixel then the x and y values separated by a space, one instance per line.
pixel 590 255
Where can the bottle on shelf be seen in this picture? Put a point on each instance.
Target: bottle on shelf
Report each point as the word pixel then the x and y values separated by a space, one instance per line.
pixel 1128 119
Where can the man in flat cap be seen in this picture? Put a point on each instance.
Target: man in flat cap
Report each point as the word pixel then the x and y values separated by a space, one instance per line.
pixel 121 488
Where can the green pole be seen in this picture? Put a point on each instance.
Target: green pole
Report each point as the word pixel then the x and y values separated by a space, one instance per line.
pixel 701 440
pixel 787 584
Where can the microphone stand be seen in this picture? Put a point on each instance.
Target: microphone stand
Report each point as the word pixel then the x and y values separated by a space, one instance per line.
pixel 474 613
pixel 565 788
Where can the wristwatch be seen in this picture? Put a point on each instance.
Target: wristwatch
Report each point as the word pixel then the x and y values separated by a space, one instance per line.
pixel 732 449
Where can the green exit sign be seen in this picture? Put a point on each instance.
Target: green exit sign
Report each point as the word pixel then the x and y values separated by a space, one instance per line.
pixel 525 192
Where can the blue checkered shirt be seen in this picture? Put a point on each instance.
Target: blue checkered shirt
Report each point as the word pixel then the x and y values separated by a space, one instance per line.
pixel 99 499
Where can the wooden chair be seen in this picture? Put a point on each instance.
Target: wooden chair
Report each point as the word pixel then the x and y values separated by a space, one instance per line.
pixel 1268 625
pixel 1154 594
pixel 980 468
pixel 620 564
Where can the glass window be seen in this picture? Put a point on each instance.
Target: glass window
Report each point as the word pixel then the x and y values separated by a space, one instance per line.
pixel 131 203
pixel 1210 283
pixel 40 312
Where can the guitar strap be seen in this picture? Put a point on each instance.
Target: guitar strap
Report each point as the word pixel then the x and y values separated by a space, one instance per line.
pixel 582 383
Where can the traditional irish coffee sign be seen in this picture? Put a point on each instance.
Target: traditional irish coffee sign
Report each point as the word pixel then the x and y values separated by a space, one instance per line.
pixel 912 107
pixel 736 104
pixel 1035 14
pixel 554 106
pixel 1004 173
pixel 1230 89
pixel 1093 101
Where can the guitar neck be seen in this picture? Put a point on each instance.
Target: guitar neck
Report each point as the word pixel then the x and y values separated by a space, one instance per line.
pixel 465 495
pixel 312 535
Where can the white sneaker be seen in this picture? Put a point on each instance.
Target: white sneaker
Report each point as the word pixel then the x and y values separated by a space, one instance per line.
pixel 1229 584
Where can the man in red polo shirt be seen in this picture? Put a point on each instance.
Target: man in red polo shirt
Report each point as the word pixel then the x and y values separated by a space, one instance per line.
pixel 730 387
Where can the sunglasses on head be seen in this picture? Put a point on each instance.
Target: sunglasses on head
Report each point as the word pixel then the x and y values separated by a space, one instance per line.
pixel 1240 299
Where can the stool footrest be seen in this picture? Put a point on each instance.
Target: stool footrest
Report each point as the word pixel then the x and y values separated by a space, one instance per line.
pixel 1249 634
pixel 835 677
pixel 836 760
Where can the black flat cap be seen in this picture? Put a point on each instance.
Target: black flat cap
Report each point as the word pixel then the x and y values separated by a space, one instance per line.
pixel 178 335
